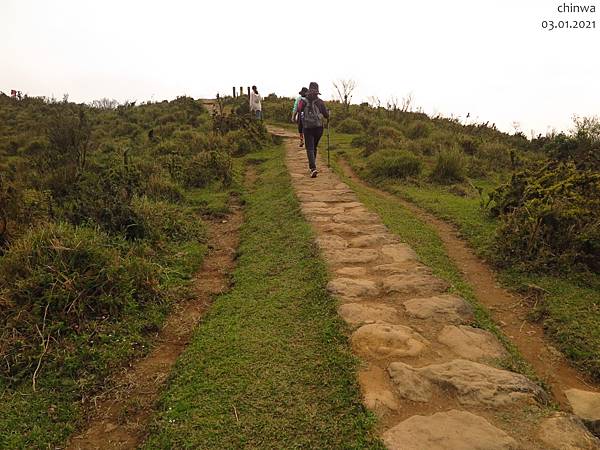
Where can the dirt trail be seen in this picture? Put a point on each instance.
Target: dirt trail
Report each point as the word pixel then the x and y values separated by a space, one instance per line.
pixel 120 416
pixel 508 309
pixel 427 374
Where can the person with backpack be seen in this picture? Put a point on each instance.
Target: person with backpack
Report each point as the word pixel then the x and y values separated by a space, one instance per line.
pixel 296 116
pixel 312 109
pixel 255 105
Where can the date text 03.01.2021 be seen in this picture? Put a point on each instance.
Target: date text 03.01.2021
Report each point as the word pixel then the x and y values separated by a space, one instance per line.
pixel 568 24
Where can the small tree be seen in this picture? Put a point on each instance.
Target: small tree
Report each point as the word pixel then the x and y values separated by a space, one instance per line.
pixel 344 89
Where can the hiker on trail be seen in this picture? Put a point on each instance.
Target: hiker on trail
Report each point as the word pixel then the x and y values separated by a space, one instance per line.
pixel 296 116
pixel 255 105
pixel 312 110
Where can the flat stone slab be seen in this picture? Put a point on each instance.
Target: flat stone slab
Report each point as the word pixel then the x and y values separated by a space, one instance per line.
pixel 351 287
pixel 352 271
pixel 399 252
pixel 451 430
pixel 356 217
pixel 352 256
pixel 586 406
pixel 369 241
pixel 471 343
pixel 357 314
pixel 402 268
pixel 413 284
pixel 478 384
pixel 381 341
pixel 327 211
pixel 340 228
pixel 566 432
pixel 442 308
pixel 332 242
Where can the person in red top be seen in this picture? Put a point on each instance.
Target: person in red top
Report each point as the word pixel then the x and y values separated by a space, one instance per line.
pixel 312 110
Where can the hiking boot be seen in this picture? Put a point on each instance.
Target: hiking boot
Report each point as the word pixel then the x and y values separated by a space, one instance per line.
pixel 313 173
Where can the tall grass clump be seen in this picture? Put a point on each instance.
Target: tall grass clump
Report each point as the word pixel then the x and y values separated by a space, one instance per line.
pixel 450 166
pixel 398 164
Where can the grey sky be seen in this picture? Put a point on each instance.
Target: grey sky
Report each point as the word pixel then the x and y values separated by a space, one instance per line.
pixel 488 58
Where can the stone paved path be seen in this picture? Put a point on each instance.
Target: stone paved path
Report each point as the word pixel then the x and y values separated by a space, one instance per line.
pixel 426 372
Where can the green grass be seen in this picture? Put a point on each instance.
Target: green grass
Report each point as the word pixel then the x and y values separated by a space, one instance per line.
pixel 429 247
pixel 270 366
pixel 46 418
pixel 570 310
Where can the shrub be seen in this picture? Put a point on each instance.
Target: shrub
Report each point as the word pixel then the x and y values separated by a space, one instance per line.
pixel 55 282
pixel 396 164
pixel 450 166
pixel 351 126
pixel 103 197
pixel 165 222
pixel 206 167
pixel 549 218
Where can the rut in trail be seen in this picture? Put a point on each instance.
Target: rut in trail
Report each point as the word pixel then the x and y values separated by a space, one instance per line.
pixel 427 374
pixel 121 415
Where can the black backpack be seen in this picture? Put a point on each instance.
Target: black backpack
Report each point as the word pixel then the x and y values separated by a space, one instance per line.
pixel 312 116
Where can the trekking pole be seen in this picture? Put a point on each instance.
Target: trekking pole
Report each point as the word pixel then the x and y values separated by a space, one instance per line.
pixel 328 143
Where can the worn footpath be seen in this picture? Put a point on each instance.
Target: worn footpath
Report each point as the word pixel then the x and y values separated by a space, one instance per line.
pixel 428 374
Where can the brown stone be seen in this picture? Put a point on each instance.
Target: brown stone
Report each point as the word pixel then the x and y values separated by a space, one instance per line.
pixel 442 308
pixel 351 287
pixel 413 284
pixel 357 314
pixel 451 430
pixel 371 240
pixel 386 341
pixel 352 271
pixel 471 343
pixel 566 432
pixel 399 252
pixel 479 384
pixel 409 384
pixel 352 256
pixel 376 390
pixel 586 406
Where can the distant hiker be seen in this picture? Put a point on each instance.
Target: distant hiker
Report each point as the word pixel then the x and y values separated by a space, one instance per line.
pixel 312 109
pixel 255 105
pixel 296 116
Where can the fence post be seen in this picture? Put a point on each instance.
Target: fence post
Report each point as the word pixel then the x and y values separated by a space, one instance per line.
pixel 248 91
pixel 234 92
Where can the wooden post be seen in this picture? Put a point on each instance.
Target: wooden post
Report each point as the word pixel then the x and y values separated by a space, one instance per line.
pixel 241 90
pixel 248 91
pixel 234 92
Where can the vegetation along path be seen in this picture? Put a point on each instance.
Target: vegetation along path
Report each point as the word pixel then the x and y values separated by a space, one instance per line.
pixel 120 416
pixel 429 373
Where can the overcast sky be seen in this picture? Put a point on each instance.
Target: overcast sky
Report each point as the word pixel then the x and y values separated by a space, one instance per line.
pixel 490 58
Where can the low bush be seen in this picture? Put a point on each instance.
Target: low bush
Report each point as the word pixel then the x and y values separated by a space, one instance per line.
pixel 396 164
pixel 207 167
pixel 350 126
pixel 549 218
pixel 164 222
pixel 450 166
